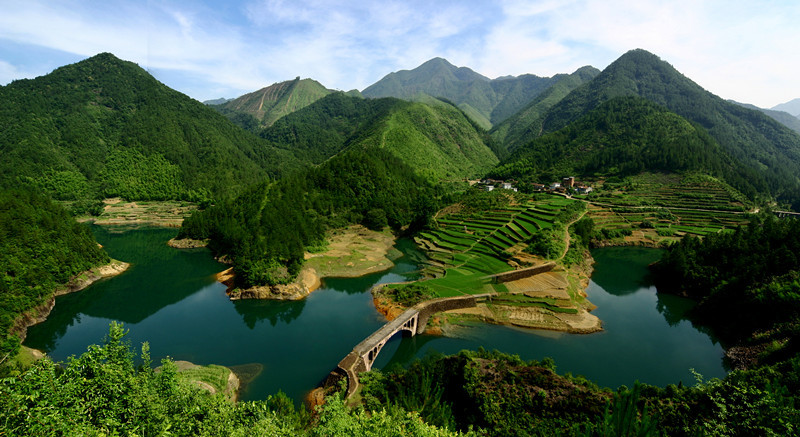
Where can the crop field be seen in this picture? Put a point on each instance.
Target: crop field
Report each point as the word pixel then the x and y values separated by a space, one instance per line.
pixel 663 208
pixel 463 249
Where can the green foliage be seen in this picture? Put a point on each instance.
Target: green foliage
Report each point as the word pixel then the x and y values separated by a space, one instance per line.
pixel 583 230
pixel 104 126
pixel 624 418
pixel 263 107
pixel 409 295
pixel 486 101
pixel 103 392
pixel 326 127
pixel 752 272
pixel 525 125
pixel 548 243
pixel 766 153
pixel 498 394
pixel 266 230
pixel 41 248
pixel 627 136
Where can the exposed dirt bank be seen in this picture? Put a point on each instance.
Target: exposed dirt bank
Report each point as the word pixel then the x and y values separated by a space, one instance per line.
pixel 154 213
pixel 187 243
pixel 351 252
pixel 77 283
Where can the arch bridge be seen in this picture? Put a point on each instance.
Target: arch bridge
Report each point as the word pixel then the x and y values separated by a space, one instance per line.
pixel 413 320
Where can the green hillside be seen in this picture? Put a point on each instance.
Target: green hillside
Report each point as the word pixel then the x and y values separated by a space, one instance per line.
pixel 275 101
pixel 627 136
pixel 525 125
pixel 104 127
pixel 41 248
pixel 760 143
pixel 266 230
pixel 781 117
pixel 486 101
pixel 436 140
pixel 324 128
pixel 380 162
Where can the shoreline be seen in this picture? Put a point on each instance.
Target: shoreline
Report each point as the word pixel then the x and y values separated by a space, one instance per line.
pixel 40 313
pixel 351 252
pixel 529 317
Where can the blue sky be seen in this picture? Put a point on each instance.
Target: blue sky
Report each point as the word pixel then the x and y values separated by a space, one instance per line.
pixel 748 51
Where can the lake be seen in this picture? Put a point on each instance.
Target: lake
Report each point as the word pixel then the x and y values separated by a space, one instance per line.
pixel 170 299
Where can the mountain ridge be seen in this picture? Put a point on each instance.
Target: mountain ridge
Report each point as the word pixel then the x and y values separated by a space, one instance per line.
pixel 106 127
pixel 487 101
pixel 754 139
pixel 270 103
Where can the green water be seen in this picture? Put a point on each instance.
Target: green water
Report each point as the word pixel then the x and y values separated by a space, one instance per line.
pixel 169 298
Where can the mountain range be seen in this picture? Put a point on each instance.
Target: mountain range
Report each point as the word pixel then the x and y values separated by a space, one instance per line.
pixel 792 107
pixel 105 127
pixel 273 102
pixel 487 101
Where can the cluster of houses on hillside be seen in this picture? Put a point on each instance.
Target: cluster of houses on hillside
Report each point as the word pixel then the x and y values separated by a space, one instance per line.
pixel 568 185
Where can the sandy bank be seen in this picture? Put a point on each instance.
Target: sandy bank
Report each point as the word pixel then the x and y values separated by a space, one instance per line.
pixel 39 314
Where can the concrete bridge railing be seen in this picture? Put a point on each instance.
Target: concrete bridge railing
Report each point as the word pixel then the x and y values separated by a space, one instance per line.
pixel 413 320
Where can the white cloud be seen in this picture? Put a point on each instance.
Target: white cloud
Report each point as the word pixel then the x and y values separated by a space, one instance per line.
pixel 735 49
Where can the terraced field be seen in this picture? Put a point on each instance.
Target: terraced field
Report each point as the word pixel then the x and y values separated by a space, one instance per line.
pixel 668 207
pixel 465 248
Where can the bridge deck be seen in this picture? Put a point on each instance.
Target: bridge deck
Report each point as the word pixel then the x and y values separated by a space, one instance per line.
pixel 385 331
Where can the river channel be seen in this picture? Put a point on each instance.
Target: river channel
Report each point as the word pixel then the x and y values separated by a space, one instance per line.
pixel 170 299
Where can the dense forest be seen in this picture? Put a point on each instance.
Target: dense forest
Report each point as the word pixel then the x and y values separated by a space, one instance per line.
pixel 265 231
pixel 626 136
pixel 41 248
pixel 326 127
pixel 746 282
pixel 757 141
pixel 487 101
pixel 104 127
pixel 265 106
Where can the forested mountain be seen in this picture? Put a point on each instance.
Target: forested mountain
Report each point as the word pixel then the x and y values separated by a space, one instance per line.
pixel 626 136
pixel 104 127
pixel 435 140
pixel 381 161
pixel 525 125
pixel 273 102
pixel 266 230
pixel 41 248
pixel 782 117
pixel 487 101
pixel 754 139
pixel 218 101
pixel 792 107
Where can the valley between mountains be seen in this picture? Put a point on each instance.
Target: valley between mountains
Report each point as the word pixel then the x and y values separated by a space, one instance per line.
pixel 501 190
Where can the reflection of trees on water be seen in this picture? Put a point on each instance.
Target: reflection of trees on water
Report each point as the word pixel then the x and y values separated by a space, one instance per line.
pixel 623 270
pixel 674 309
pixel 253 311
pixel 136 245
pixel 158 276
pixel 406 352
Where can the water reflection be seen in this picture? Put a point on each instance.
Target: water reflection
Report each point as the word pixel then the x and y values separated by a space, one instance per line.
pixel 613 266
pixel 254 311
